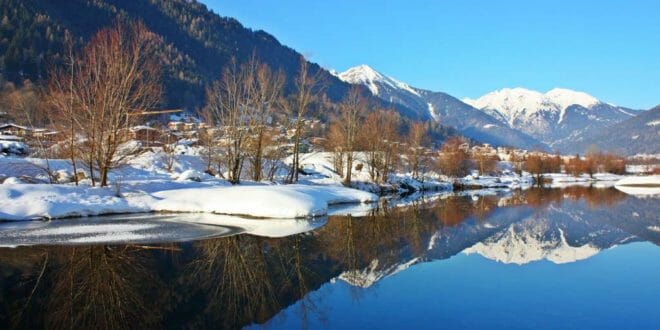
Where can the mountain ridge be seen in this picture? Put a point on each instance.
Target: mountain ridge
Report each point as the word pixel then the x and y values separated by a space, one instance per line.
pixel 551 116
pixel 439 107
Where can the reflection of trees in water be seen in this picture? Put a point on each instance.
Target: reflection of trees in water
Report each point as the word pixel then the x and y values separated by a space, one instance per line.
pixel 234 281
pixel 97 287
pixel 244 279
pixel 102 287
pixel 232 275
pixel 593 197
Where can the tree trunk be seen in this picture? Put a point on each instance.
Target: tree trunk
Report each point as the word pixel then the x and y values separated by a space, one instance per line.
pixel 349 167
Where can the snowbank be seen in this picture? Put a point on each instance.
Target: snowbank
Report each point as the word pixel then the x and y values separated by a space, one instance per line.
pixel 43 201
pixel 506 180
pixel 290 201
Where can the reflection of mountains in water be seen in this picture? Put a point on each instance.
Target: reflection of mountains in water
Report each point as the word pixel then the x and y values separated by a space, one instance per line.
pixel 538 239
pixel 560 233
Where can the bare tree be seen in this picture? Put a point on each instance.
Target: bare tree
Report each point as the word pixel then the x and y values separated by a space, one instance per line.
pixel 116 79
pixel 228 101
pixel 334 142
pixel 517 162
pixel 486 162
pixel 536 164
pixel 418 140
pixel 308 88
pixel 267 93
pixel 352 110
pixel 454 160
pixel 30 110
pixel 379 136
pixel 62 99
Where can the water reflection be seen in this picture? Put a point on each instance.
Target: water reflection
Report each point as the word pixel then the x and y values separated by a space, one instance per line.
pixel 233 279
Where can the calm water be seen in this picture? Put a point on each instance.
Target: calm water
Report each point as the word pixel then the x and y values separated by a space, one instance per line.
pixel 541 258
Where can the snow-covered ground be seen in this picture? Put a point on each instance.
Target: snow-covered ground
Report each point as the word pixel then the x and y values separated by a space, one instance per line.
pixel 319 170
pixel 506 180
pixel 153 181
pixel 46 201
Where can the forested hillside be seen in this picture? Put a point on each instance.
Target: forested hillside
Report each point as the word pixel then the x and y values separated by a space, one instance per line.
pixel 197 43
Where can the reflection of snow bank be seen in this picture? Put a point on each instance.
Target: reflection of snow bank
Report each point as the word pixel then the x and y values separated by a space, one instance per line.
pixel 259 227
pixel 38 201
pixel 646 180
pixel 148 229
pixel 640 185
pixel 143 230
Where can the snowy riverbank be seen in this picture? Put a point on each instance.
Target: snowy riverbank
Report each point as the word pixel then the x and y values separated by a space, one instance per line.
pixel 144 185
pixel 46 201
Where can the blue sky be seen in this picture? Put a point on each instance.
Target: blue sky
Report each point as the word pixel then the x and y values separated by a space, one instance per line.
pixel 610 49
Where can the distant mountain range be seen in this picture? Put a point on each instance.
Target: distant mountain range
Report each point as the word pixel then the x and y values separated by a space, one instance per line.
pixel 557 118
pixel 561 119
pixel 439 107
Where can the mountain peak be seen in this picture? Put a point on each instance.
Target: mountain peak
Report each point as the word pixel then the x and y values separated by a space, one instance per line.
pixel 566 97
pixel 521 99
pixel 366 75
pixel 360 74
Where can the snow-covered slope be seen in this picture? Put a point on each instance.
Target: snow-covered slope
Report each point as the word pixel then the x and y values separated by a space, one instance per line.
pixel 551 117
pixel 512 104
pixel 439 107
pixel 388 89
pixel 639 134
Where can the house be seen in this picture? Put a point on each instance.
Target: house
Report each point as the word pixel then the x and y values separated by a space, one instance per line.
pixel 145 134
pixel 16 130
pixel 30 134
pixel 175 125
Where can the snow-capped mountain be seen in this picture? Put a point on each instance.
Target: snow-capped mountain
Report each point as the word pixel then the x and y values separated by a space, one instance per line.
pixel 512 104
pixel 555 117
pixel 387 89
pixel 363 74
pixel 438 106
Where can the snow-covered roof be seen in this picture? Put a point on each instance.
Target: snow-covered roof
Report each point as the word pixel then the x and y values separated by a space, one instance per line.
pixel 12 125
pixel 142 127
